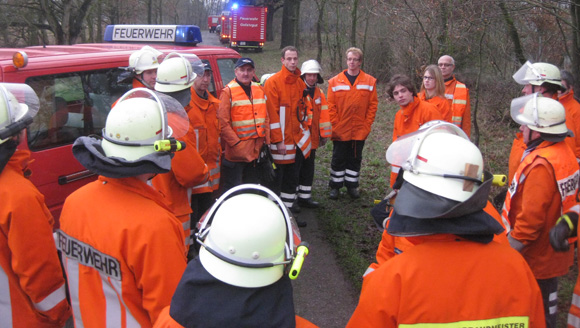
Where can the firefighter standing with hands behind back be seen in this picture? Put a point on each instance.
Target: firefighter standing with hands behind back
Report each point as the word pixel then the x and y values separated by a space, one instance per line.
pixel 320 129
pixel 32 287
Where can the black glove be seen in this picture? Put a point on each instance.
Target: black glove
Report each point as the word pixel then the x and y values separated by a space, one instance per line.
pixel 565 227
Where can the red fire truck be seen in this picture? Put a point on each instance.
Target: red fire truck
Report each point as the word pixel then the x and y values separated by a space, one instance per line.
pixel 212 22
pixel 226 23
pixel 248 27
pixel 86 78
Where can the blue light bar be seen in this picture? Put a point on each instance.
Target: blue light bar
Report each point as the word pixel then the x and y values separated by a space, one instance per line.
pixel 176 34
pixel 235 6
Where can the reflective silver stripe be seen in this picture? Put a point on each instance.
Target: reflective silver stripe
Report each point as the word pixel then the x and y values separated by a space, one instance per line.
pixel 340 87
pixel 553 296
pixel 460 86
pixel 248 122
pixel 288 196
pixel 287 147
pixel 325 125
pixel 274 126
pixel 284 157
pixel 249 134
pixel 553 309
pixel 5 302
pixel 259 101
pixel 369 270
pixel 576 300
pixel 351 179
pixel 460 101
pixel 283 121
pixel 337 173
pixel 72 275
pixel 324 107
pixel 573 320
pixel 51 300
pixel 196 131
pixel 395 169
pixel 113 309
pixel 337 179
pixel 305 188
pixel 317 101
pixel 364 87
pixel 352 173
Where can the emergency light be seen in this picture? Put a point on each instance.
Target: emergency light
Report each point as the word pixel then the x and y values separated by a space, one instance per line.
pixel 176 34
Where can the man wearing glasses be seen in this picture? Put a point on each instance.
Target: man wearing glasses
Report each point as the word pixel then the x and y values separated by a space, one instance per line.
pixel 457 94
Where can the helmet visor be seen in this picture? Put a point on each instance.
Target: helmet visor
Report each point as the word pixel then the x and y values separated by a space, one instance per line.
pixel 19 100
pixel 518 113
pixel 526 74
pixel 175 119
pixel 405 148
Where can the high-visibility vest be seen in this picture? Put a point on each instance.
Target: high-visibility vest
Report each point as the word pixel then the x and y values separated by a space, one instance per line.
pixel 248 115
pixel 566 172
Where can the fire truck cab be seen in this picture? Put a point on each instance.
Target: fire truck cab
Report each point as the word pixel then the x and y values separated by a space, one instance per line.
pixel 77 84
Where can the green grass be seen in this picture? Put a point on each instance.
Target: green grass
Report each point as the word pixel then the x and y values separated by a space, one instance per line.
pixel 347 223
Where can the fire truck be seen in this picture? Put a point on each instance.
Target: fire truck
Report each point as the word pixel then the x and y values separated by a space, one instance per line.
pixel 212 22
pixel 226 23
pixel 248 27
pixel 85 79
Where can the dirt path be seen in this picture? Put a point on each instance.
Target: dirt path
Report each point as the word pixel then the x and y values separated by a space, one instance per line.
pixel 321 292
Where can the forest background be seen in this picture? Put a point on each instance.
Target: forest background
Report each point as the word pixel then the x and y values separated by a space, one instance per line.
pixel 489 40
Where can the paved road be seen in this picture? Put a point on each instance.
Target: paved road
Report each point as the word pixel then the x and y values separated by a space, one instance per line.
pixel 321 292
pixel 210 39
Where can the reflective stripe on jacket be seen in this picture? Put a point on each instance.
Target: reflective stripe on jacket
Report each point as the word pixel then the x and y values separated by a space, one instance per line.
pixel 32 290
pixel 458 96
pixel 319 120
pixel 352 108
pixel 203 118
pixel 122 251
pixel 419 288
pixel 288 111
pixel 542 189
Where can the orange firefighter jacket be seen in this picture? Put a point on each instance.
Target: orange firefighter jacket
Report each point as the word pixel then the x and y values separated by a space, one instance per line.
pixel 188 169
pixel 32 289
pixel 572 108
pixel 122 251
pixel 543 188
pixel 391 245
pixel 458 96
pixel 288 111
pixel 244 122
pixel 352 108
pixel 166 321
pixel 450 281
pixel 408 119
pixel 319 119
pixel 574 314
pixel 441 103
pixel 203 118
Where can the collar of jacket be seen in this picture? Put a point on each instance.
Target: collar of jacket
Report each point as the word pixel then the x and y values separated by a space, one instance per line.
pixel 290 77
pixel 201 103
pixel 137 186
pixel 568 96
pixel 449 79
pixel 15 158
pixel 410 107
pixel 343 79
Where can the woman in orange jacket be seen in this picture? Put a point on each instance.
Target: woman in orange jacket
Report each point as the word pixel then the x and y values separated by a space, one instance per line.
pixel 433 91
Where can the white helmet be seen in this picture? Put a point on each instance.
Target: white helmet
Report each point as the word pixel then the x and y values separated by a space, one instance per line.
pixel 439 159
pixel 144 59
pixel 539 113
pixel 313 67
pixel 537 74
pixel 175 73
pixel 139 119
pixel 264 78
pixel 248 237
pixel 18 106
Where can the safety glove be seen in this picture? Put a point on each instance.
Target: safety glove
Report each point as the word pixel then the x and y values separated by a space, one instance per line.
pixel 561 233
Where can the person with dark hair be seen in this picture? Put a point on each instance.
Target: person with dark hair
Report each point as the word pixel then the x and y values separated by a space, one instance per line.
pixel 433 91
pixel 288 110
pixel 352 105
pixel 413 111
pixel 32 286
pixel 453 274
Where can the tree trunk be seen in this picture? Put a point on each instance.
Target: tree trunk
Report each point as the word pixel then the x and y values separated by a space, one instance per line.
pixel 270 23
pixel 289 23
pixel 320 6
pixel 575 16
pixel 513 32
pixel 353 17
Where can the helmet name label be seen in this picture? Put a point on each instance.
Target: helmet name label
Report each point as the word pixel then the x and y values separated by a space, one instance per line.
pixel 88 256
